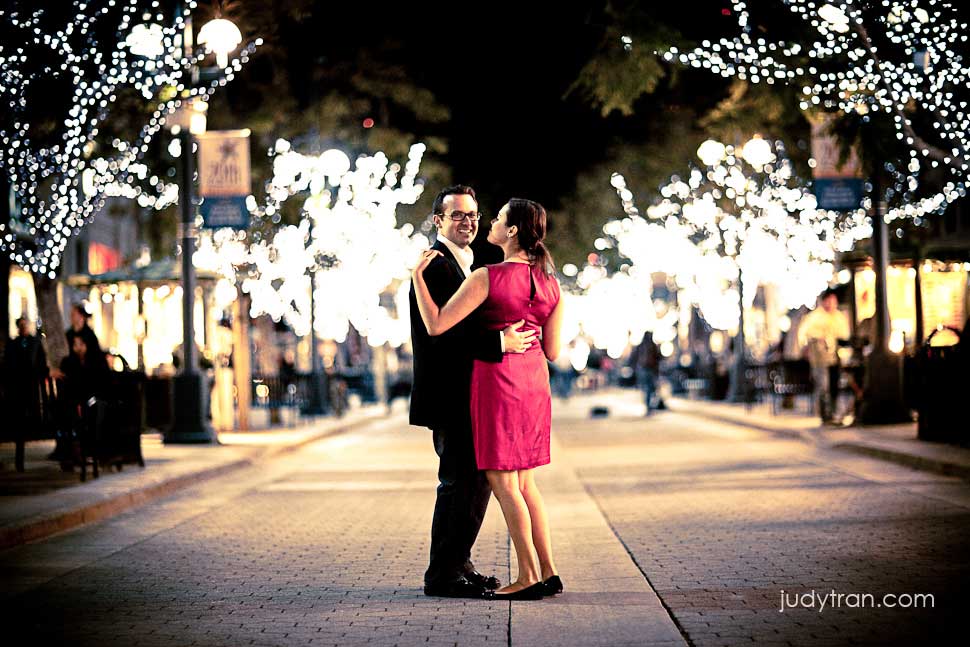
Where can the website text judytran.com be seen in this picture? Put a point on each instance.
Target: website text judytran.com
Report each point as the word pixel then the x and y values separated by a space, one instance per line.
pixel 833 599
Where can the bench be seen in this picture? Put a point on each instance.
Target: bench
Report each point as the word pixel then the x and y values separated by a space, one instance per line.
pixel 696 387
pixel 41 423
pixel 790 379
pixel 106 432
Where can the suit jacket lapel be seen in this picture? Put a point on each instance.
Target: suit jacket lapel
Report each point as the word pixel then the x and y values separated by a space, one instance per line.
pixel 441 247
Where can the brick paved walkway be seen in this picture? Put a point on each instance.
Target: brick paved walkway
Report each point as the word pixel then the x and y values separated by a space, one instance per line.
pixel 327 545
pixel 721 519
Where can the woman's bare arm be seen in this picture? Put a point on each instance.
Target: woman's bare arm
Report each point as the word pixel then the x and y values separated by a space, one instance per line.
pixel 469 296
pixel 552 333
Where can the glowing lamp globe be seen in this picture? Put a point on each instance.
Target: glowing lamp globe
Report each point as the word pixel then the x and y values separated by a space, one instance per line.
pixel 221 37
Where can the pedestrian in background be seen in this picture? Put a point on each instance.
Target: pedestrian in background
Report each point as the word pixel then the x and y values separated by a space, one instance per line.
pixel 819 335
pixel 646 365
pixel 81 328
pixel 563 373
pixel 85 372
pixel 92 349
pixel 25 366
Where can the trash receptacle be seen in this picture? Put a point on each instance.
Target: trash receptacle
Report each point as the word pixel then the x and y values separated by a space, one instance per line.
pixel 940 385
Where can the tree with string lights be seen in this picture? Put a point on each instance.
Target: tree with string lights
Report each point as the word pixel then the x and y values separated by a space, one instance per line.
pixel 740 220
pixel 345 263
pixel 900 63
pixel 887 62
pixel 348 243
pixel 85 88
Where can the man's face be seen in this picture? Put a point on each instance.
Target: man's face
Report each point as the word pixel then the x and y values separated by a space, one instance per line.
pixel 23 327
pixel 461 232
pixel 77 319
pixel 830 303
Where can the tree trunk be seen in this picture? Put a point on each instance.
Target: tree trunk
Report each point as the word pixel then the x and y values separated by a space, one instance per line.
pixel 241 360
pixel 4 303
pixel 4 269
pixel 55 342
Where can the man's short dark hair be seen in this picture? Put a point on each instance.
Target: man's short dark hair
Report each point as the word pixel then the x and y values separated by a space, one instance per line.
pixel 830 292
pixel 438 206
pixel 19 319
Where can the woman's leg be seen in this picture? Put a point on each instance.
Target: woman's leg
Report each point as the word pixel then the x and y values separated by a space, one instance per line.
pixel 540 523
pixel 505 486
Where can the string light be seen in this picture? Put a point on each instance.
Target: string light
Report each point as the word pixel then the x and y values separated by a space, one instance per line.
pixel 62 186
pixel 885 56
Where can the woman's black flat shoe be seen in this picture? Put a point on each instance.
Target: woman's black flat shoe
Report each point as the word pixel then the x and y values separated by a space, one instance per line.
pixel 552 586
pixel 533 592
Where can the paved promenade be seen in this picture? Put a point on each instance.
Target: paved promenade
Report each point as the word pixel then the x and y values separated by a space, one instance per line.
pixel 670 530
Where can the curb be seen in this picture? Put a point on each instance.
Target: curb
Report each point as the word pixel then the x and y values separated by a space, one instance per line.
pixel 921 463
pixel 788 433
pixel 41 528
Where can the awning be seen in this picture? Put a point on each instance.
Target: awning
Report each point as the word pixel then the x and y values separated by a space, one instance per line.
pixel 162 272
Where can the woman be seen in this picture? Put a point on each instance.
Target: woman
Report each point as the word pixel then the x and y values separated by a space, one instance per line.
pixel 510 401
pixel 85 372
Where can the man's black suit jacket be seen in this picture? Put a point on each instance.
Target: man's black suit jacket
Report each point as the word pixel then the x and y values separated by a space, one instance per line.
pixel 440 392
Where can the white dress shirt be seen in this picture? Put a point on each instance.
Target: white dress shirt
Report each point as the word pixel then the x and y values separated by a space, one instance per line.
pixel 465 257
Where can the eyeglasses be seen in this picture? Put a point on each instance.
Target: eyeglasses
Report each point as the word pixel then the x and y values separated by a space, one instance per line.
pixel 458 216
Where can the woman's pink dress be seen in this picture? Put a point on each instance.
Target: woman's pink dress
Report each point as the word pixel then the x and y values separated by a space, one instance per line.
pixel 510 401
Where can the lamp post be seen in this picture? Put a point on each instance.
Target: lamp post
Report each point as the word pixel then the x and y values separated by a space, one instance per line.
pixel 318 402
pixel 190 422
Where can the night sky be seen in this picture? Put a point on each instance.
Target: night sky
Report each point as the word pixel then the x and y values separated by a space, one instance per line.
pixel 502 69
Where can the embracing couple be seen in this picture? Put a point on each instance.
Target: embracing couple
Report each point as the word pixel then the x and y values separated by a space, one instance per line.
pixel 481 384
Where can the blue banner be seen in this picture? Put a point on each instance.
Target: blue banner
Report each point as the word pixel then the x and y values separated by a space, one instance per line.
pixel 225 212
pixel 838 193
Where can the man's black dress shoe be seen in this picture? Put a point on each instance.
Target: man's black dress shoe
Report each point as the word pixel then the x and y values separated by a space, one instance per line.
pixel 489 582
pixel 552 586
pixel 533 592
pixel 459 588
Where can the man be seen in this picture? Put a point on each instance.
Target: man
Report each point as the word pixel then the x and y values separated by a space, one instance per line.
pixel 25 365
pixel 819 335
pixel 646 365
pixel 440 397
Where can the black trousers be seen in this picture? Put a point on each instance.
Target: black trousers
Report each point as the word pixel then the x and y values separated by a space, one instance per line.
pixel 459 509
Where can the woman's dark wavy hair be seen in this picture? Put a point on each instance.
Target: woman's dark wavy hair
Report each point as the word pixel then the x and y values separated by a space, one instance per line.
pixel 530 219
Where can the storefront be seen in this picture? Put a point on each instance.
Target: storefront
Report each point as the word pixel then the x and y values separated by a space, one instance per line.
pixel 924 296
pixel 22 299
pixel 137 313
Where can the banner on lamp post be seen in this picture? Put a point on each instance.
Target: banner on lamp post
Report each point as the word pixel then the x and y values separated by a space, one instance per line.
pixel 836 187
pixel 224 178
